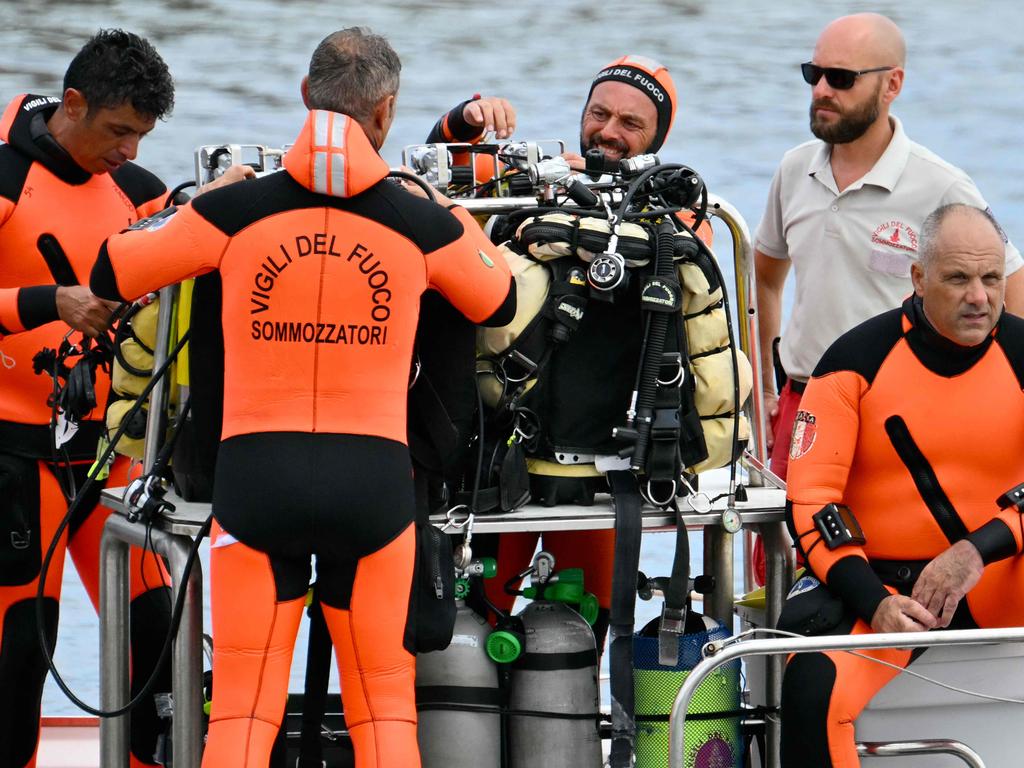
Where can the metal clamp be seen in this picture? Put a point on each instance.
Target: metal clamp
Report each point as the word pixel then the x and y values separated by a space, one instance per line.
pixel 697 501
pixel 648 494
pixel 450 521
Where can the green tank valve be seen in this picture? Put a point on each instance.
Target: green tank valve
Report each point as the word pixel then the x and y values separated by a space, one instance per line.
pixel 207 706
pixel 461 589
pixel 589 607
pixel 484 567
pixel 504 647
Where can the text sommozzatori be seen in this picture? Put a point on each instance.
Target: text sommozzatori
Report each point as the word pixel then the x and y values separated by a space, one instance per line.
pixel 359 256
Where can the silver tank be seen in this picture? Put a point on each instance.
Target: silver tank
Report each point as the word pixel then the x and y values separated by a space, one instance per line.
pixel 460 675
pixel 557 673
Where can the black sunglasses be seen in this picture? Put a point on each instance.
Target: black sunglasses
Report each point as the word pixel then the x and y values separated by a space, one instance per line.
pixel 836 77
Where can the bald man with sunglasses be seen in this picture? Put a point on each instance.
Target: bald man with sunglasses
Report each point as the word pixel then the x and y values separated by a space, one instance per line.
pixel 845 212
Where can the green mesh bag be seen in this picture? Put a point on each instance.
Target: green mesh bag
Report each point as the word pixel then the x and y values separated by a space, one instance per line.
pixel 713 720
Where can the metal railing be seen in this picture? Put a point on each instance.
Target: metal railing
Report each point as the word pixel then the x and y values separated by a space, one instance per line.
pixel 922 747
pixel 725 651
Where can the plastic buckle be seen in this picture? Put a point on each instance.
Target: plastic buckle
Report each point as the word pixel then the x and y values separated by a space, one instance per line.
pixel 1012 498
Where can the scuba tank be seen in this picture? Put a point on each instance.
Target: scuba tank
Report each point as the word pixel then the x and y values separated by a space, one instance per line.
pixel 553 698
pixel 457 693
pixel 713 735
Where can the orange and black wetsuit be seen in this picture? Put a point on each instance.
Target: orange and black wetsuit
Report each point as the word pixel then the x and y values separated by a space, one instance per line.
pixel 322 266
pixel 53 217
pixel 919 437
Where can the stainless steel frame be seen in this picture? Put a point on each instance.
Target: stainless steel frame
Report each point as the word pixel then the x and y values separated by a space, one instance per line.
pixel 186 651
pixel 923 747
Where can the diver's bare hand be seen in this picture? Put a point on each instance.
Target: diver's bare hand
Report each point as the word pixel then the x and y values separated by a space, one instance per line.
pixel 576 162
pixel 82 310
pixel 493 114
pixel 947 579
pixel 771 413
pixel 897 613
pixel 234 173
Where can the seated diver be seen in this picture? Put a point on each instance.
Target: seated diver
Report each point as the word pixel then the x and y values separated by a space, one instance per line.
pixel 313 458
pixel 913 422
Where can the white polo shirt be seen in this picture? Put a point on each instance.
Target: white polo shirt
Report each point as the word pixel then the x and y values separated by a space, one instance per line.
pixel 852 250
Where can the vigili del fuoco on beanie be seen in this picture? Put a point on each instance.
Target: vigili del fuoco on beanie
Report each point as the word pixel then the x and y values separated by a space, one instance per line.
pixel 654 80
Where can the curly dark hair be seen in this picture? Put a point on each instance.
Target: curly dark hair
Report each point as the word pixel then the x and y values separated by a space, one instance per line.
pixel 117 67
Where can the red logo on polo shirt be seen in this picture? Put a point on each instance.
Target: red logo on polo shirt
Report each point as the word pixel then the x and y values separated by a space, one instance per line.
pixel 804 431
pixel 896 234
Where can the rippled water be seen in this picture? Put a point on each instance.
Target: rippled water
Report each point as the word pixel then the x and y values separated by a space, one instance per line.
pixel 742 103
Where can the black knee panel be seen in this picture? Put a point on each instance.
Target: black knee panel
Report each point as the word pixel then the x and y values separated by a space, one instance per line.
pixel 22 672
pixel 150 622
pixel 20 531
pixel 806 693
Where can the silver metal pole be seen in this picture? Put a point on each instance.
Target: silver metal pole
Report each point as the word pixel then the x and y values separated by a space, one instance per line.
pixel 187 651
pixel 157 417
pixel 778 576
pixel 746 316
pixel 114 645
pixel 721 654
pixel 719 558
pixel 496 205
pixel 922 747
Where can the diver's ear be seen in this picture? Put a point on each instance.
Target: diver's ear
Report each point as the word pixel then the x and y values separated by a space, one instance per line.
pixel 304 88
pixel 383 117
pixel 917 278
pixel 74 104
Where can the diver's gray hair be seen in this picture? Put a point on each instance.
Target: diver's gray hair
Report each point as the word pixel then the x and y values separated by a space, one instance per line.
pixel 351 71
pixel 928 245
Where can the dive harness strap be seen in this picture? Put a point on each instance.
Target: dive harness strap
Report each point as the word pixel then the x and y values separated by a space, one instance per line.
pixel 519 365
pixel 557 321
pixel 673 612
pixel 628 527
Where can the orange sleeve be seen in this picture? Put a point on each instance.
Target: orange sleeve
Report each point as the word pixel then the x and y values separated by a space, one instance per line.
pixel 156 252
pixel 470 272
pixel 822 446
pixel 824 439
pixel 10 317
pixel 705 232
pixel 152 207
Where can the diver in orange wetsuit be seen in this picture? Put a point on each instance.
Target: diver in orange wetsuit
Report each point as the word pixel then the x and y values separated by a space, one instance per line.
pixel 322 266
pixel 66 183
pixel 915 421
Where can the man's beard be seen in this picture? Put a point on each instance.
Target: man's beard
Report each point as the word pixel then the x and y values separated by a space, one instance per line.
pixel 850 126
pixel 596 143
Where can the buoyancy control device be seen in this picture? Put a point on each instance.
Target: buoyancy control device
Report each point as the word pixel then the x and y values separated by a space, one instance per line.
pixel 553 695
pixel 458 698
pixel 134 342
pixel 620 349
